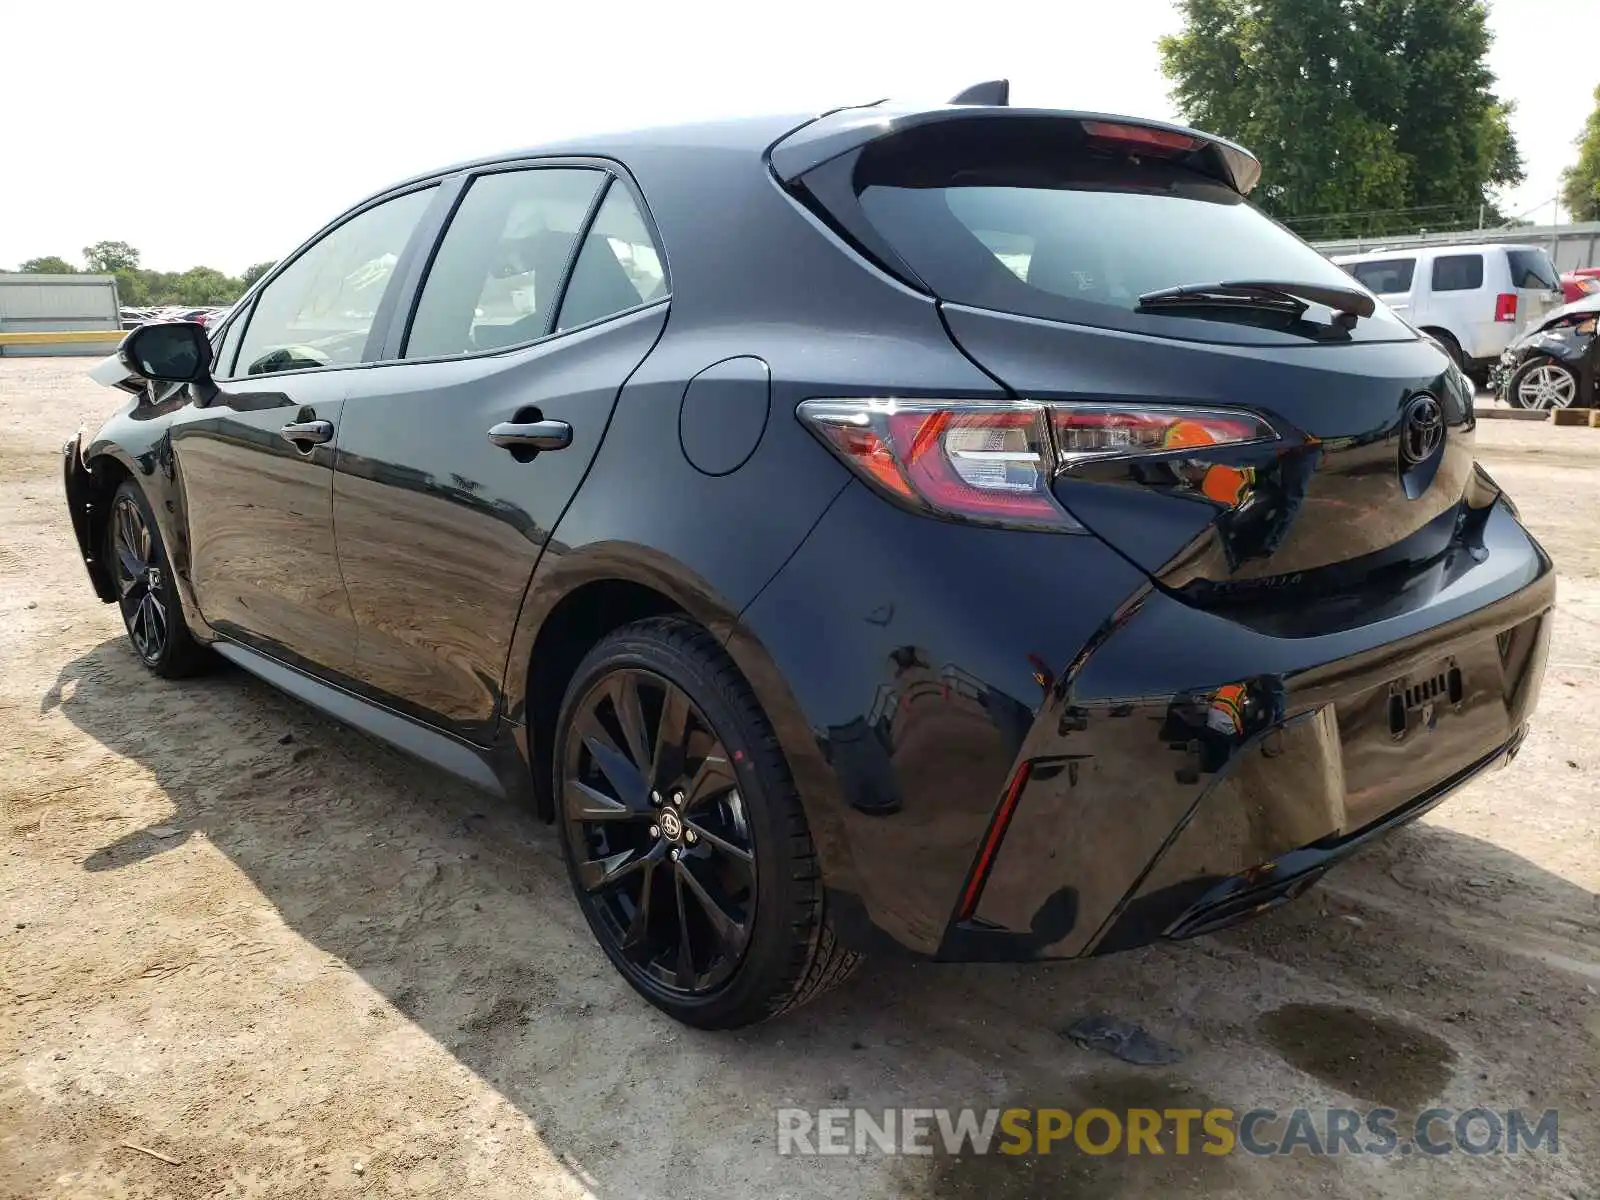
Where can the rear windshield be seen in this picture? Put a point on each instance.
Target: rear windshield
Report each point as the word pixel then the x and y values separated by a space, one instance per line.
pixel 1532 268
pixel 1386 276
pixel 1031 218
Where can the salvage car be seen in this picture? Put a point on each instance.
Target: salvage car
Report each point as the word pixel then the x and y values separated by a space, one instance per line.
pixel 967 532
pixel 1556 364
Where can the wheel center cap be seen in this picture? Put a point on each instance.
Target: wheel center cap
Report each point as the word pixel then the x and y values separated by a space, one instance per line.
pixel 671 826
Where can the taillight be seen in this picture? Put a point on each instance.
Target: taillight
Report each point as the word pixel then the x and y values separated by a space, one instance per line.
pixel 1505 306
pixel 1140 137
pixel 994 463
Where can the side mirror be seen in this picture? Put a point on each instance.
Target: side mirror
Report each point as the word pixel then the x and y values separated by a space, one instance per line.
pixel 168 352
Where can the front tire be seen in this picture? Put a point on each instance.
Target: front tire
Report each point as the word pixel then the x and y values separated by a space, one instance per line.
pixel 683 833
pixel 147 593
pixel 1543 383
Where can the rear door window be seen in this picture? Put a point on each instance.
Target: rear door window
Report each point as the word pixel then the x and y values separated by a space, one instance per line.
pixel 1035 218
pixel 1532 268
pixel 496 279
pixel 1458 273
pixel 1386 277
pixel 618 267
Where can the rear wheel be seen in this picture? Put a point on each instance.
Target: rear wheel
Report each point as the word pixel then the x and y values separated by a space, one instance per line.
pixel 1449 345
pixel 147 594
pixel 1543 384
pixel 683 834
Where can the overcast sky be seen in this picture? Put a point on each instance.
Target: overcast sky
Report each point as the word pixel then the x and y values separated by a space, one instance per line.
pixel 225 132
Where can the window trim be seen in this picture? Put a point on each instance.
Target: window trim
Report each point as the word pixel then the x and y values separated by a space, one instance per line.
pixel 614 172
pixel 425 225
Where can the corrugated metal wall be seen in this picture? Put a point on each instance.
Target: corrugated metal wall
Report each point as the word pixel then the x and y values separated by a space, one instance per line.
pixel 49 303
pixel 1569 245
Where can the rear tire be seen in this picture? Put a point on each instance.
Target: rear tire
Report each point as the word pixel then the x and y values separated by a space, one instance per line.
pixel 147 592
pixel 681 827
pixel 1449 345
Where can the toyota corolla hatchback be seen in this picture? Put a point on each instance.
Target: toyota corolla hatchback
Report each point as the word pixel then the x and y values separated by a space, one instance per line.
pixel 969 532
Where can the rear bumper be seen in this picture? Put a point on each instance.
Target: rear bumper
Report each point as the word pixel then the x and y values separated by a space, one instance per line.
pixel 925 664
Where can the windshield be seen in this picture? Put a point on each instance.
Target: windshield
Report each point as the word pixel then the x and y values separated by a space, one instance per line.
pixel 1037 222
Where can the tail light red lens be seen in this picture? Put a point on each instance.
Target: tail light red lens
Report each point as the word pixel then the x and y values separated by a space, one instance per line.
pixel 994 463
pixel 1141 137
pixel 1505 306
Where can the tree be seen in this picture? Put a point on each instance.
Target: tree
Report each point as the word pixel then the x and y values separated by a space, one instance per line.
pixel 50 264
pixel 255 272
pixel 1382 108
pixel 205 285
pixel 107 258
pixel 1580 183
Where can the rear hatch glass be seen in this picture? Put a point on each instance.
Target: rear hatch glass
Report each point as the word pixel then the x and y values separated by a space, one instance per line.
pixel 1042 219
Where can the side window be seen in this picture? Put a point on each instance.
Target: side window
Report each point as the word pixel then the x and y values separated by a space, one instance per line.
pixel 224 348
pixel 318 312
pixel 1458 273
pixel 1532 268
pixel 497 275
pixel 1386 277
pixel 618 268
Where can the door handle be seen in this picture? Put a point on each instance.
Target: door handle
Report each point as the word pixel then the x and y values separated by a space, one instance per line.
pixel 535 435
pixel 313 433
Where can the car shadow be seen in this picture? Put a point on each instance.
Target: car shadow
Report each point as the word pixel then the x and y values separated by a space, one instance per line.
pixel 454 906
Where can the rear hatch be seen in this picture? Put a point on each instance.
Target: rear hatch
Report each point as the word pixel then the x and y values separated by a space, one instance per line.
pixel 1289 450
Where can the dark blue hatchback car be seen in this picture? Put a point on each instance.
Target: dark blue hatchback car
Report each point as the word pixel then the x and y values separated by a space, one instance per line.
pixel 968 532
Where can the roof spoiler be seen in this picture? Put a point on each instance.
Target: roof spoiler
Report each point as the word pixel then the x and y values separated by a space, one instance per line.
pixel 995 92
pixel 847 129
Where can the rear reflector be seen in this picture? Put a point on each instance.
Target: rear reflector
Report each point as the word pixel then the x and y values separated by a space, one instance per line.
pixel 1141 137
pixel 1505 306
pixel 995 463
pixel 991 843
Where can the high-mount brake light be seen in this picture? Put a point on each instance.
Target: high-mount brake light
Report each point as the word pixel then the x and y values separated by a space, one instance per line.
pixel 1141 137
pixel 994 463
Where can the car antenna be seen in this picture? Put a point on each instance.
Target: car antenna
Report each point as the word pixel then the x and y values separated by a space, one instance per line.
pixel 996 92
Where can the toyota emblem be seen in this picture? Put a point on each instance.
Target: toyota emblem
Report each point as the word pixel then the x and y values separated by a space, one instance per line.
pixel 1421 431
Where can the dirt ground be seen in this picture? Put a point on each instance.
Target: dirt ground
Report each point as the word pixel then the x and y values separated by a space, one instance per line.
pixel 297 964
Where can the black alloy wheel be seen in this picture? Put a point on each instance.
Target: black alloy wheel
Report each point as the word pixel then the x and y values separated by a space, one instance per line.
pixel 139 580
pixel 684 836
pixel 667 863
pixel 146 591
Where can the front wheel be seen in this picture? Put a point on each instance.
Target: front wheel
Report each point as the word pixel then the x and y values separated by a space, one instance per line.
pixel 683 834
pixel 147 593
pixel 1543 384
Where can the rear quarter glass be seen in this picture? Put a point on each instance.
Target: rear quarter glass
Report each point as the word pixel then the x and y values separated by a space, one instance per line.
pixel 1038 219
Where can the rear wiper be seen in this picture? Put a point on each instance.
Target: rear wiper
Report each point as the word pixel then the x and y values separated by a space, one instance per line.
pixel 1265 294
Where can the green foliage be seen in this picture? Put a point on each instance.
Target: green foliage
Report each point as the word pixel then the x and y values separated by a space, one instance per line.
pixel 1580 183
pixel 48 265
pixel 255 271
pixel 1382 107
pixel 138 286
pixel 107 258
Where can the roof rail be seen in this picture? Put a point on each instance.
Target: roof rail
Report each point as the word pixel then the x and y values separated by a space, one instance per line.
pixel 995 92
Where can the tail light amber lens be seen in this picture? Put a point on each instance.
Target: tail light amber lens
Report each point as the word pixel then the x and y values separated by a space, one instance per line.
pixel 995 463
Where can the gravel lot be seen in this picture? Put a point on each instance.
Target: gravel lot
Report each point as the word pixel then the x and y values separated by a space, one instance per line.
pixel 297 964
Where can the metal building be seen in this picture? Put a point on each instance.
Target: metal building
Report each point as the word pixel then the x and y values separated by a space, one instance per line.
pixel 51 304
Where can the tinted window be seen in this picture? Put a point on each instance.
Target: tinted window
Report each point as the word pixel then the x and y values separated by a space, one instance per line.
pixel 618 267
pixel 496 279
pixel 1030 217
pixel 1458 272
pixel 318 312
pixel 1388 277
pixel 1532 268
